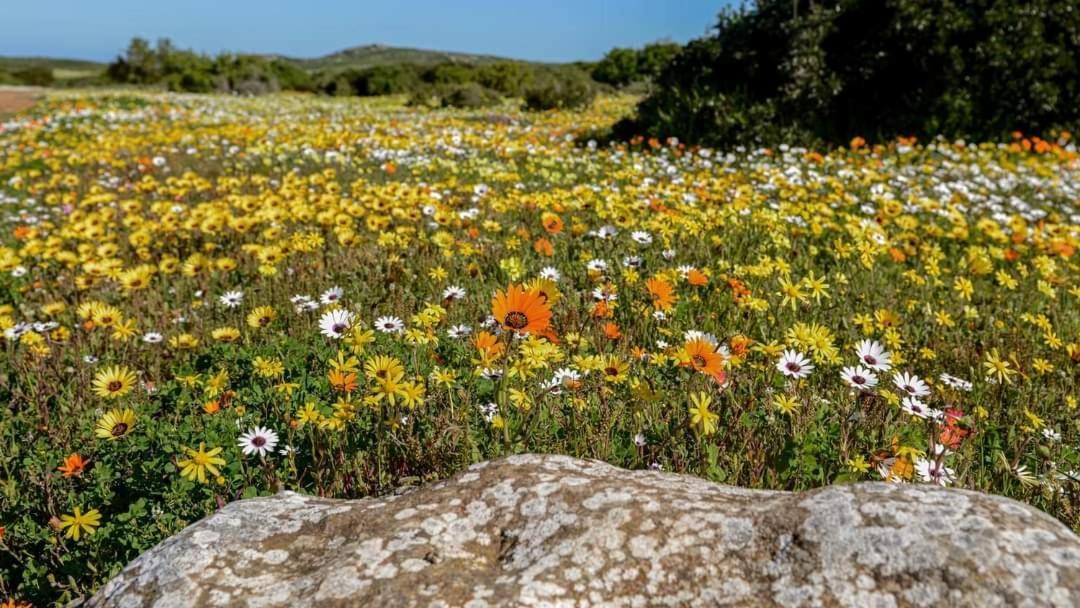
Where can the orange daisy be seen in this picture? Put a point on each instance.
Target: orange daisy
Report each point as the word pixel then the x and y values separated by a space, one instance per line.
pixel 662 293
pixel 521 311
pixel 73 466
pixel 702 356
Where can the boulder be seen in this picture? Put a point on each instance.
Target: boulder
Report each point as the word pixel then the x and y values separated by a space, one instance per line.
pixel 536 530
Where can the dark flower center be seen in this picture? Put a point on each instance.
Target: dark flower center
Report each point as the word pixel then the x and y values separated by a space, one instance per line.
pixel 611 371
pixel 339 327
pixel 699 361
pixel 258 442
pixel 869 359
pixel 264 321
pixel 793 367
pixel 516 320
pixel 119 429
pixel 115 385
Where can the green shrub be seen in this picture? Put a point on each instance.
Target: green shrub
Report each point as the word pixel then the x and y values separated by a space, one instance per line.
pixel 831 70
pixel 38 76
pixel 562 89
pixel 469 95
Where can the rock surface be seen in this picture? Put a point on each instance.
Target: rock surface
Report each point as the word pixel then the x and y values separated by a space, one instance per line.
pixel 555 531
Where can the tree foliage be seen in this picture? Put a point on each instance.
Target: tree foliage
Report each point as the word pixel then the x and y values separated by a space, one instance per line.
pixel 830 70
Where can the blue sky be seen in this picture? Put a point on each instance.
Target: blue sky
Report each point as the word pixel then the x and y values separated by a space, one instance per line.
pixel 543 30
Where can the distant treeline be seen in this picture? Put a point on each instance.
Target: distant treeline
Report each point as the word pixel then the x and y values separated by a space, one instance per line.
pixel 447 83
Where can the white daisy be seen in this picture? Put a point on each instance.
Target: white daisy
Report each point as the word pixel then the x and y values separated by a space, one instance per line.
pixel 916 407
pixel 874 356
pixel 794 364
pixel 859 377
pixel 911 384
pixel 459 331
pixel 390 325
pixel 453 292
pixel 550 273
pixel 957 383
pixel 331 295
pixel 336 323
pixel 260 440
pixel 152 337
pixel 641 237
pixel 231 299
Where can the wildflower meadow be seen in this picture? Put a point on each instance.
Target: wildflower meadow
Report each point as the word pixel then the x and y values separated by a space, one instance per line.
pixel 205 299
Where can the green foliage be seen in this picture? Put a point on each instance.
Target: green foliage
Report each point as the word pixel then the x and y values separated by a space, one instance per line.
pixel 568 88
pixel 184 70
pixel 621 67
pixel 38 76
pixel 829 71
pixel 469 95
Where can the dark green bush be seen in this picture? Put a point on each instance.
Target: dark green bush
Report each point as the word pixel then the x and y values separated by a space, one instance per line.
pixel 507 77
pixel 37 76
pixel 560 89
pixel 830 70
pixel 468 95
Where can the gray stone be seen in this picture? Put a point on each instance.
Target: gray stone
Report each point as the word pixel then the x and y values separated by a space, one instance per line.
pixel 554 531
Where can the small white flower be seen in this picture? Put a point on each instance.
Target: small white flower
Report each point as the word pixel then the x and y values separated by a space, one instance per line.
pixel 794 364
pixel 453 292
pixel 911 384
pixel 231 299
pixel 641 237
pixel 336 323
pixel 331 295
pixel 550 273
pixel 874 356
pixel 152 337
pixel 859 377
pixel 459 331
pixel 915 407
pixel 390 325
pixel 90 359
pixel 934 472
pixel 639 440
pixel 260 440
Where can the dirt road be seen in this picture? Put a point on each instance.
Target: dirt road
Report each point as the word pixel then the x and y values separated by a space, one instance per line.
pixel 16 99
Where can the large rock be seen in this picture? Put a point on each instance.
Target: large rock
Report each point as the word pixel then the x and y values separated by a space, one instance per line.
pixel 555 531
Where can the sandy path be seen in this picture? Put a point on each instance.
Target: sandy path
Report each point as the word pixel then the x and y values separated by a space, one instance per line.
pixel 16 99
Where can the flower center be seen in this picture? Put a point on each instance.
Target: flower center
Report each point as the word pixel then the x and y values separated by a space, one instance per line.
pixel 264 321
pixel 793 367
pixel 869 359
pixel 611 371
pixel 699 361
pixel 119 429
pixel 339 327
pixel 258 442
pixel 516 320
pixel 115 385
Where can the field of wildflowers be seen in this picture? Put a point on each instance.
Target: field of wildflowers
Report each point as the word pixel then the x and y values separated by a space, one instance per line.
pixel 204 299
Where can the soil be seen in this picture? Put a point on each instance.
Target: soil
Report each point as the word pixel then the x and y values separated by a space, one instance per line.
pixel 15 100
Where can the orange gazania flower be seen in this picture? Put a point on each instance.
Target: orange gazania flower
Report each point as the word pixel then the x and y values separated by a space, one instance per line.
pixel 544 247
pixel 611 330
pixel 702 356
pixel 487 343
pixel 521 311
pixel 697 278
pixel 73 466
pixel 662 293
pixel 212 407
pixel 341 381
pixel 552 223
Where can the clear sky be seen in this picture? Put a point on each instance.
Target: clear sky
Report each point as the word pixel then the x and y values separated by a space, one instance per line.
pixel 542 30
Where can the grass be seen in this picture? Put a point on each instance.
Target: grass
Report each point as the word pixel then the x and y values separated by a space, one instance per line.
pixel 168 276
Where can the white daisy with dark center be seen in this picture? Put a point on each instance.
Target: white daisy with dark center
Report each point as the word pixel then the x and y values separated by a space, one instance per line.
pixel 259 440
pixel 794 364
pixel 336 323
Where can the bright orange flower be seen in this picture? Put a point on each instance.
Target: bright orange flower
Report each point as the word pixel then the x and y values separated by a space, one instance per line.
pixel 544 247
pixel 702 356
pixel 212 407
pixel 552 223
pixel 662 293
pixel 521 311
pixel 344 382
pixel 611 330
pixel 73 466
pixel 488 343
pixel 697 278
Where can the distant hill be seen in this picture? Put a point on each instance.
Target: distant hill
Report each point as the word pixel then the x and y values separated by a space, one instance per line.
pixel 62 69
pixel 371 55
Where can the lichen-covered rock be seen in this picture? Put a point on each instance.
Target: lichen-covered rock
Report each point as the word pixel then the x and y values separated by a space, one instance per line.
pixel 555 531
